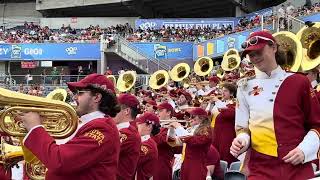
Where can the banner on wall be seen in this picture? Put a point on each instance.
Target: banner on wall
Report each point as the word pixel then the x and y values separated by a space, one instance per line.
pixel 50 51
pixel 217 47
pixel 166 50
pixel 185 23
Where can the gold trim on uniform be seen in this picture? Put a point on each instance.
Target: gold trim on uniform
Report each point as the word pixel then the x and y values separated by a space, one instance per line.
pixel 96 135
pixel 123 137
pixel 144 149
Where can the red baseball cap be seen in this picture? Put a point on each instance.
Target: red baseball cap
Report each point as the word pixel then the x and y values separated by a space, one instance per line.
pixel 166 105
pixel 149 118
pixel 262 38
pixel 197 111
pixel 98 81
pixel 152 102
pixel 128 100
pixel 214 79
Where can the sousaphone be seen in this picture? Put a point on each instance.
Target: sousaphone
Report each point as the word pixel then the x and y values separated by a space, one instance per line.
pixel 231 60
pixel 290 44
pixel 180 72
pixel 309 37
pixel 159 79
pixel 126 81
pixel 203 66
pixel 112 78
pixel 58 94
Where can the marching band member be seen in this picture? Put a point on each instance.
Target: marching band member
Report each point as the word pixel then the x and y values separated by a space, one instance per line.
pixel 312 76
pixel 184 100
pixel 278 116
pixel 213 165
pixel 223 132
pixel 211 88
pixel 148 125
pixel 94 142
pixel 198 140
pixel 151 106
pixel 165 151
pixel 129 136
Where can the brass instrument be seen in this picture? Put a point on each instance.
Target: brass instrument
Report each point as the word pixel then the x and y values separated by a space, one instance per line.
pixel 290 43
pixel 220 73
pixel 112 78
pixel 309 37
pixel 59 118
pixel 58 94
pixel 231 60
pixel 159 79
pixel 10 154
pixel 179 72
pixel 126 81
pixel 203 66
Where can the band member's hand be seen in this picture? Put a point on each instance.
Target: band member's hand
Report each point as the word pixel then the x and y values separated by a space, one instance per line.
pixel 175 124
pixel 237 145
pixel 30 120
pixel 295 157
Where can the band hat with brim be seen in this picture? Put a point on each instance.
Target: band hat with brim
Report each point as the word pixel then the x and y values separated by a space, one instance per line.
pixel 149 118
pixel 97 81
pixel 264 38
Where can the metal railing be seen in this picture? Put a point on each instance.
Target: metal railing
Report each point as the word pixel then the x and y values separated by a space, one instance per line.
pixel 289 23
pixel 55 80
pixel 149 59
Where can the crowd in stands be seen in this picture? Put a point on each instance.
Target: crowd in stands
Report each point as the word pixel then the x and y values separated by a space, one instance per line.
pixel 33 33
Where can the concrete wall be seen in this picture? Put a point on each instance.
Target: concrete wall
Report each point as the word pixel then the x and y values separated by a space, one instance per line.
pixel 56 23
pixel 54 4
pixel 13 14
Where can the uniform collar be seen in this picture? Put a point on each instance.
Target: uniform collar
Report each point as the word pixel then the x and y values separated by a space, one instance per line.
pixel 274 73
pixel 123 125
pixel 314 84
pixel 91 116
pixel 145 137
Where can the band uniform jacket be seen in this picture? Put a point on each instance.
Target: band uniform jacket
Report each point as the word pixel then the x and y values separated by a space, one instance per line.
pixel 165 156
pixel 278 113
pixel 91 154
pixel 224 133
pixel 129 152
pixel 148 159
pixel 195 159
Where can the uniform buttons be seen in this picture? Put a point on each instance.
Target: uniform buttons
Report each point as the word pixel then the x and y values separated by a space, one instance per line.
pixel 271 100
pixel 276 86
pixel 281 80
pixel 273 93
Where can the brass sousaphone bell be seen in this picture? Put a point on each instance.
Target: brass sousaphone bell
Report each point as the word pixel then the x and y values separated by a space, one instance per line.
pixel 126 81
pixel 309 37
pixel 290 44
pixel 159 79
pixel 180 72
pixel 203 66
pixel 231 60
pixel 112 78
pixel 58 94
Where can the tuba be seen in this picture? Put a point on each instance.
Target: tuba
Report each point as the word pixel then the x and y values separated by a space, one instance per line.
pixel 60 119
pixel 309 37
pixel 231 60
pixel 112 78
pixel 58 94
pixel 203 66
pixel 180 72
pixel 10 154
pixel 291 45
pixel 159 79
pixel 126 81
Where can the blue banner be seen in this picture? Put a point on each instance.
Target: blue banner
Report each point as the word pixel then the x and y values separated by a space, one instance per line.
pixel 217 47
pixel 167 50
pixel 185 23
pixel 50 51
pixel 313 18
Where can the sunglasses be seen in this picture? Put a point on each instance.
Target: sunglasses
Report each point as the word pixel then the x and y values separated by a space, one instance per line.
pixel 80 92
pixel 253 41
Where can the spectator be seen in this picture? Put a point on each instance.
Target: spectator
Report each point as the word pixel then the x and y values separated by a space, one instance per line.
pixel 55 76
